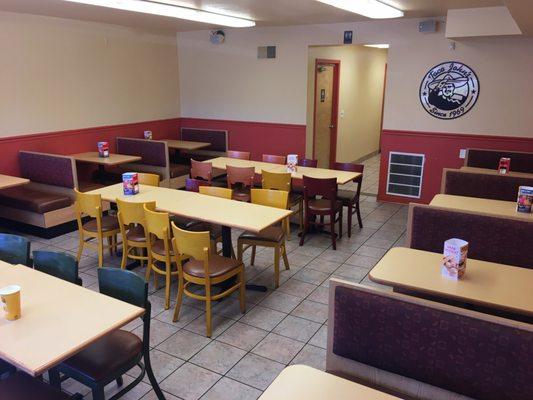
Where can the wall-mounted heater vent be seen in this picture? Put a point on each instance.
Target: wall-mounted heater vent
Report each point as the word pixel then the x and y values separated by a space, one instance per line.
pixel 266 52
pixel 405 174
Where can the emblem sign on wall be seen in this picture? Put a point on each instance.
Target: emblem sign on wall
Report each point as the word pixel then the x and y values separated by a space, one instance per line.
pixel 449 90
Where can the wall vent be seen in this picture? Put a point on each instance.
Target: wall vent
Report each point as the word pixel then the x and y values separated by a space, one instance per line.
pixel 266 52
pixel 405 174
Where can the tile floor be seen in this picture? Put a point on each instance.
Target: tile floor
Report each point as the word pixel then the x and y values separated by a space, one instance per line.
pixel 371 177
pixel 281 327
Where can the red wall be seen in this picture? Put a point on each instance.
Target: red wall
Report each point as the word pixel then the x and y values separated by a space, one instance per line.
pixel 442 151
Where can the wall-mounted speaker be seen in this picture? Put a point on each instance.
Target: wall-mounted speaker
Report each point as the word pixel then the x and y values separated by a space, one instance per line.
pixel 427 26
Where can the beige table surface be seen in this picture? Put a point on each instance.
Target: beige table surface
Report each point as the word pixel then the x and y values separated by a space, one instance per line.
pixel 499 208
pixel 222 162
pixel 113 159
pixel 496 172
pixel 185 144
pixel 58 319
pixel 489 284
pixel 7 181
pixel 300 382
pixel 235 214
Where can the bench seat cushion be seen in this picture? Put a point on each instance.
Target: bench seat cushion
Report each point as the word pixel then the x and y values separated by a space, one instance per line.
pixel 33 200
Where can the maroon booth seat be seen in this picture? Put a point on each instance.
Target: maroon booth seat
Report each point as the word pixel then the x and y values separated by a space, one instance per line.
pixel 472 184
pixel 490 238
pixel 418 349
pixel 218 140
pixel 484 158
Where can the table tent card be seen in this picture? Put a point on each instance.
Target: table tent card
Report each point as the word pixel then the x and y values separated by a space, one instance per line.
pixel 454 260
pixel 525 199
pixel 292 162
pixel 103 149
pixel 130 181
pixel 505 165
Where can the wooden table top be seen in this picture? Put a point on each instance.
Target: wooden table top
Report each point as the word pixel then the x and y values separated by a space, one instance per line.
pixel 485 283
pixel 113 159
pixel 496 172
pixel 342 176
pixel 185 144
pixel 300 382
pixel 58 319
pixel 7 181
pixel 235 214
pixel 499 208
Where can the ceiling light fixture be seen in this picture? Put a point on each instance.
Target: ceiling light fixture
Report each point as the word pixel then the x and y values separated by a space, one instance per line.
pixel 378 46
pixel 167 10
pixel 368 8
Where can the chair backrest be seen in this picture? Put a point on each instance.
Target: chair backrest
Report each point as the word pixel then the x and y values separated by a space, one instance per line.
pixel 308 162
pixel 14 249
pixel 271 158
pixel 243 155
pixel 327 188
pixel 202 170
pixel 61 265
pixel 130 212
pixel 49 169
pixel 123 285
pixel 191 244
pixel 148 179
pixel 217 138
pixel 270 198
pixel 276 180
pixel 157 223
pixel 351 167
pixel 89 204
pixel 240 175
pixel 215 191
pixel 193 185
pixel 485 158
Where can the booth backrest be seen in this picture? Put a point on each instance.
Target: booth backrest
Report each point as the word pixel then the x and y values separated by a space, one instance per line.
pixel 490 238
pixel 472 184
pixel 217 138
pixel 48 169
pixel 483 158
pixel 457 350
pixel 153 152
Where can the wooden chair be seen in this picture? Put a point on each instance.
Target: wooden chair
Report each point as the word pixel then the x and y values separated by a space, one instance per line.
pixel 270 158
pixel 243 155
pixel 308 162
pixel 132 229
pixel 283 181
pixel 148 179
pixel 225 193
pixel 201 170
pixel 100 226
pixel 160 255
pixel 14 249
pixel 350 198
pixel 197 264
pixel 193 185
pixel 326 205
pixel 61 265
pixel 20 386
pixel 116 353
pixel 273 236
pixel 241 180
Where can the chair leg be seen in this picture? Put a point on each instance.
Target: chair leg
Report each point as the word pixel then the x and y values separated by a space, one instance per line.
pixel 179 299
pixel 124 256
pixel 304 231
pixel 208 328
pixel 359 219
pixel 100 251
pixel 284 254
pixel 98 393
pixel 276 265
pixel 350 212
pixel 148 270
pixel 288 230
pixel 252 259
pixel 332 230
pixel 110 244
pixel 120 381
pixel 168 267
pixel 80 247
pixel 240 247
pixel 301 214
pixel 242 291
pixel 340 223
pixel 55 378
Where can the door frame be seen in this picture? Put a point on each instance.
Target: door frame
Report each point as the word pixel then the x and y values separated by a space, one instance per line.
pixel 334 108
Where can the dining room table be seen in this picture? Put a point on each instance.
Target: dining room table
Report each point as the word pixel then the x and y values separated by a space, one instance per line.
pixel 489 171
pixel 8 181
pixel 92 157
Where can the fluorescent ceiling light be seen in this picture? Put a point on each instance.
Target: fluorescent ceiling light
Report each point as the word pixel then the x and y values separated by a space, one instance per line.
pixel 378 46
pixel 168 10
pixel 367 8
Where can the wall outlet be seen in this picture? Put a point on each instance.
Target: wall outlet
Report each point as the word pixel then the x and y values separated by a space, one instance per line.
pixel 462 153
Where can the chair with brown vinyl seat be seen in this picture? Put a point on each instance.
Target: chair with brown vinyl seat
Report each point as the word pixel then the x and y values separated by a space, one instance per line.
pixel 199 265
pixel 326 205
pixel 243 155
pixel 148 179
pixel 240 180
pixel 132 229
pixel 308 162
pixel 273 236
pixel 350 198
pixel 160 254
pixel 99 227
pixel 271 158
pixel 283 181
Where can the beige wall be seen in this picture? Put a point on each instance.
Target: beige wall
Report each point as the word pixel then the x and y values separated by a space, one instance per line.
pixel 59 74
pixel 360 98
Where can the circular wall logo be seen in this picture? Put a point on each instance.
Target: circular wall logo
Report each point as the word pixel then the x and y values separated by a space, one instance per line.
pixel 449 90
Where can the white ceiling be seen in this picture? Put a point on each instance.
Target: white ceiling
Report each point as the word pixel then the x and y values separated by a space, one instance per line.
pixel 264 12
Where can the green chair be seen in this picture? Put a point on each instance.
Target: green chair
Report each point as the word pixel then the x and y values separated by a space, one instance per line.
pixel 113 355
pixel 14 249
pixel 60 265
pixel 20 386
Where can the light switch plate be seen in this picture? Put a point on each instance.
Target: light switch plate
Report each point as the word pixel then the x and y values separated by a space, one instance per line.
pixel 462 153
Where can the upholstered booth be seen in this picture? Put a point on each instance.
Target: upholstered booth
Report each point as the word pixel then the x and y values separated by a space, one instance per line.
pixel 472 184
pixel 217 138
pixel 418 349
pixel 484 158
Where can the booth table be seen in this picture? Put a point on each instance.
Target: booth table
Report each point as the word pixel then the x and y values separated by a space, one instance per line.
pixel 7 181
pixel 496 172
pixel 185 144
pixel 92 157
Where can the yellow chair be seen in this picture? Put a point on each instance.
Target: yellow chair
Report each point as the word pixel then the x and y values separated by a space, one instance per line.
pixel 132 229
pixel 148 179
pixel 273 236
pixel 157 226
pixel 100 226
pixel 198 265
pixel 225 193
pixel 282 181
